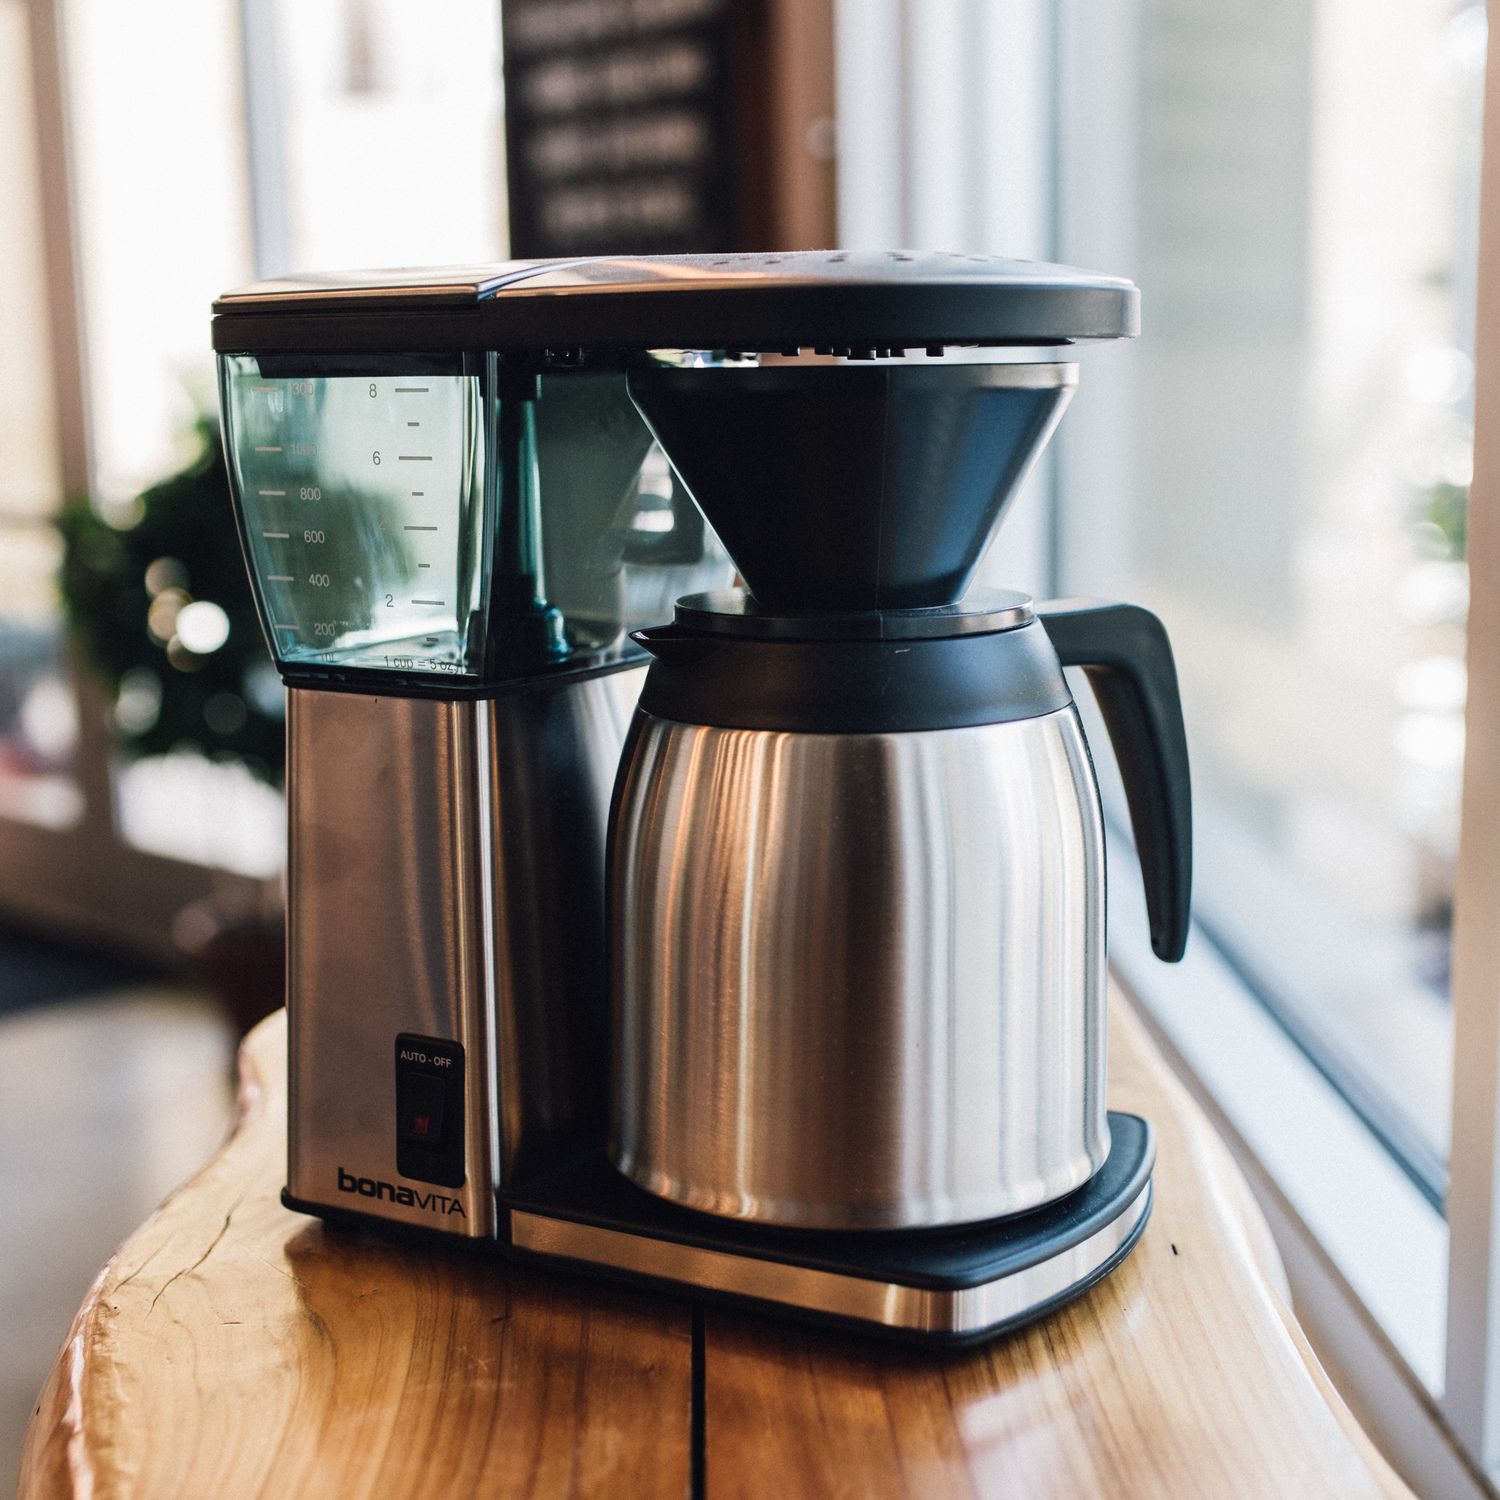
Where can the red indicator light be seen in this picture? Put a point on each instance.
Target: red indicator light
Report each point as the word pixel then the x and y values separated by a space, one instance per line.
pixel 420 1124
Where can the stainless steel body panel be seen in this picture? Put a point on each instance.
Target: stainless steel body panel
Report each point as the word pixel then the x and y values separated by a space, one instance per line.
pixel 445 876
pixel 892 1304
pixel 552 758
pixel 384 935
pixel 859 980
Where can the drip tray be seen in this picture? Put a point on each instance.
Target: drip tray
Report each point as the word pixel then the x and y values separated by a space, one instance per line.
pixel 952 1286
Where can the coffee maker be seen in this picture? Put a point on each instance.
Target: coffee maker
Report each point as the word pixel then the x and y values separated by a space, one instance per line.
pixel 801 1063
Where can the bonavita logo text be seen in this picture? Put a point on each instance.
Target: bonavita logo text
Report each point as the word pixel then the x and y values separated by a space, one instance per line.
pixel 367 1187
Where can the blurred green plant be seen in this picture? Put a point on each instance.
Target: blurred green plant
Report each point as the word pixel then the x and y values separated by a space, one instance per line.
pixel 162 609
pixel 1446 506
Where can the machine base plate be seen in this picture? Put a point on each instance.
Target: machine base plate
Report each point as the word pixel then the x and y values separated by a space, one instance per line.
pixel 951 1286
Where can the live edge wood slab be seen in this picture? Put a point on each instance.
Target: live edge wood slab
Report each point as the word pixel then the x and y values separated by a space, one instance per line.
pixel 233 1348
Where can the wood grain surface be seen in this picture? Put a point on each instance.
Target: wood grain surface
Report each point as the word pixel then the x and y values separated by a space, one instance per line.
pixel 233 1348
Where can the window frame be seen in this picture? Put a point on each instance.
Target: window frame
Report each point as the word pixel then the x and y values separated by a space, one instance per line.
pixel 1471 1400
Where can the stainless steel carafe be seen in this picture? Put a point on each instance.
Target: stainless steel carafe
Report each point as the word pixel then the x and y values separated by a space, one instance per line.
pixel 856 880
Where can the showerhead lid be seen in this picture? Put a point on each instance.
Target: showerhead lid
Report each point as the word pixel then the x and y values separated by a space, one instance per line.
pixel 845 301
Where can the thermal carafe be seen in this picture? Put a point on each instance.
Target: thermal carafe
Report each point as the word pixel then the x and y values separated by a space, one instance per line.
pixel 857 886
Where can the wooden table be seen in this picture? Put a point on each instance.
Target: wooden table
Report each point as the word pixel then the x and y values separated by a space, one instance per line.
pixel 233 1348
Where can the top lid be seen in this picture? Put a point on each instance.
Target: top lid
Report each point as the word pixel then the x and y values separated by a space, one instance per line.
pixel 844 301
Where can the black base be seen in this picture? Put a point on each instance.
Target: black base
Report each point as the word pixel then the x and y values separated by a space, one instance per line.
pixel 590 1191
pixel 946 1263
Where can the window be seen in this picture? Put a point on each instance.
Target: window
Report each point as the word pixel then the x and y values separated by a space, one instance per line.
pixel 205 143
pixel 377 133
pixel 162 228
pixel 1305 234
pixel 1280 468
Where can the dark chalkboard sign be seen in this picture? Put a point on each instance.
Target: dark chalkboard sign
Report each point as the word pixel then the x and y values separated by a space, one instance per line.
pixel 618 122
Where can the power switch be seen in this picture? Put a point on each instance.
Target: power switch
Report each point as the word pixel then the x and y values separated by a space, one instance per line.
pixel 430 1109
pixel 419 1105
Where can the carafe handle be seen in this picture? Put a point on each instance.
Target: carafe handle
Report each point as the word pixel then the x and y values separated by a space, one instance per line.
pixel 1125 653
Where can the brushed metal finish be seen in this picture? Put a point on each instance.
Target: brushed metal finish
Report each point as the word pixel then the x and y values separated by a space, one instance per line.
pixel 889 1303
pixel 859 980
pixel 445 876
pixel 552 755
pixel 384 935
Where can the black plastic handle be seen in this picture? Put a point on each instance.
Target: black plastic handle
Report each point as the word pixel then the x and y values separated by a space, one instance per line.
pixel 1128 659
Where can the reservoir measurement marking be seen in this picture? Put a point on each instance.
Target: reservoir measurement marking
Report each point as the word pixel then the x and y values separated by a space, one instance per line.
pixel 293 447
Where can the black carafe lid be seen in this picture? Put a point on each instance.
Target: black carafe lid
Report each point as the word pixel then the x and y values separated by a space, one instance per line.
pixel 735 612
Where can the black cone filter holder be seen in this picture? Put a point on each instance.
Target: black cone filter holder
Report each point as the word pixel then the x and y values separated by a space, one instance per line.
pixel 848 490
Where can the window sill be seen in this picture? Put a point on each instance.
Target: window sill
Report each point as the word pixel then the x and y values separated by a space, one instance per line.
pixel 1365 1252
